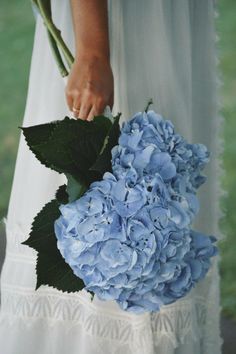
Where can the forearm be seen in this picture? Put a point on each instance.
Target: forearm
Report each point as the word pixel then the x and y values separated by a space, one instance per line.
pixel 90 21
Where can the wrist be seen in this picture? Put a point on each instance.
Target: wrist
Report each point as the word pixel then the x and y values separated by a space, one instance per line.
pixel 92 55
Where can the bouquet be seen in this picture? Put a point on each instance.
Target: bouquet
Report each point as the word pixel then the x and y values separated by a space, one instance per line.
pixel 121 227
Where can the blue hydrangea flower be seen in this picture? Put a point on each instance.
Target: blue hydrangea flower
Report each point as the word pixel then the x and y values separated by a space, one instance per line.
pixel 129 237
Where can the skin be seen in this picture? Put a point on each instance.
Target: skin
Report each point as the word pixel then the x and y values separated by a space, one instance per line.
pixel 90 84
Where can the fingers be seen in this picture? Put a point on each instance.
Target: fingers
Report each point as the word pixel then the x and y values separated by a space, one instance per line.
pixel 86 110
pixel 92 113
pixel 95 111
pixel 86 106
pixel 69 99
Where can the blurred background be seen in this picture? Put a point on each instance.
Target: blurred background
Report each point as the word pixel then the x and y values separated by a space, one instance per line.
pixel 16 47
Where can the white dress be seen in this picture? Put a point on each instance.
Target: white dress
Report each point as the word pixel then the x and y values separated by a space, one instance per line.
pixel 164 49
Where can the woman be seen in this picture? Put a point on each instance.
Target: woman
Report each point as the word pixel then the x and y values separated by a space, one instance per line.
pixel 162 49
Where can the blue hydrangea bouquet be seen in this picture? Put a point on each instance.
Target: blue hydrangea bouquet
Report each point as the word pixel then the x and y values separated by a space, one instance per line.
pixel 121 227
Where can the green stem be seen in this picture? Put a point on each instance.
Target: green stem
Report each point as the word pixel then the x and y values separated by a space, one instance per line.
pixel 57 56
pixel 149 103
pixel 56 40
pixel 56 34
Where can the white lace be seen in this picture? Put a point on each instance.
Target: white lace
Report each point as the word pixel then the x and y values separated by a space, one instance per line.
pixel 174 322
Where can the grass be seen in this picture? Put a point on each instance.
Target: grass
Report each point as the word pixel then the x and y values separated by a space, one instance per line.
pixel 16 37
pixel 226 26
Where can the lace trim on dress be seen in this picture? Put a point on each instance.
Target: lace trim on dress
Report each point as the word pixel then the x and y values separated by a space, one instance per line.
pixel 188 316
pixel 174 322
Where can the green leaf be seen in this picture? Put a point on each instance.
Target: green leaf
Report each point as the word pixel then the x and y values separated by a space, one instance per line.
pixel 42 237
pixel 103 162
pixel 69 146
pixel 62 195
pixel 51 267
pixel 55 272
pixel 38 135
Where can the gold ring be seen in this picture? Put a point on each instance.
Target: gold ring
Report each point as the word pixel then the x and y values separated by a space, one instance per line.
pixel 75 109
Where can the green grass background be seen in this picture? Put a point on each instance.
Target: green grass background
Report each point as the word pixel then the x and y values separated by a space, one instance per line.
pixel 16 39
pixel 226 28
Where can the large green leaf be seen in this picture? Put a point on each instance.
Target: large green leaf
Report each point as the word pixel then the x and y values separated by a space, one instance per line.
pixel 37 136
pixel 42 237
pixel 62 195
pixel 69 146
pixel 55 272
pixel 51 267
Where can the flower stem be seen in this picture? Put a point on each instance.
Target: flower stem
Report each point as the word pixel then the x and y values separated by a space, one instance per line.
pixel 56 34
pixel 149 103
pixel 57 56
pixel 55 38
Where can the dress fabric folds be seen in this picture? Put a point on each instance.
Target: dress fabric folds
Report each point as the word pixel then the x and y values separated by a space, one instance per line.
pixel 160 49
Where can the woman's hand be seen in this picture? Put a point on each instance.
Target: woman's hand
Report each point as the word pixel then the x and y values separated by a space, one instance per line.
pixel 90 86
